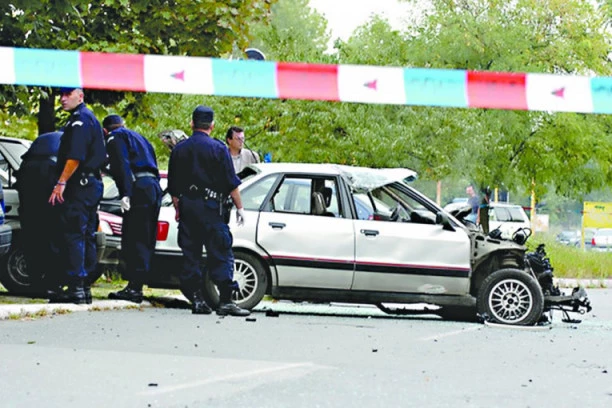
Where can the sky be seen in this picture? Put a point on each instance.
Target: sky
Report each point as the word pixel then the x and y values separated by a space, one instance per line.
pixel 343 16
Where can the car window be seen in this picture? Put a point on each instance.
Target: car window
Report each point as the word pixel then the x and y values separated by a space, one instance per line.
pixel 297 195
pixel 111 192
pixel 16 149
pixel 6 174
pixel 389 199
pixel 293 195
pixel 254 195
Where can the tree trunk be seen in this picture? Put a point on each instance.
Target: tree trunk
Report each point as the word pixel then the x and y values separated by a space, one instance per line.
pixel 46 113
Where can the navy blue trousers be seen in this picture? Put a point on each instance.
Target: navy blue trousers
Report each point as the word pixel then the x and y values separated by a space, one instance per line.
pixel 79 222
pixel 139 229
pixel 201 225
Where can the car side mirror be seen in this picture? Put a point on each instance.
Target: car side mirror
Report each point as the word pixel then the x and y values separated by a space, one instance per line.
pixel 442 219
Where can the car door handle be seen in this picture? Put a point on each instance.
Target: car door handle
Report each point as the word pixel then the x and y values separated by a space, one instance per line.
pixel 277 225
pixel 369 233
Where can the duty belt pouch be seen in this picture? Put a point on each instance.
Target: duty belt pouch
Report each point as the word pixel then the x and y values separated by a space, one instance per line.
pixel 226 206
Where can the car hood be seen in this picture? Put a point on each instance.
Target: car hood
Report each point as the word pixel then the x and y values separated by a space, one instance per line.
pixel 363 179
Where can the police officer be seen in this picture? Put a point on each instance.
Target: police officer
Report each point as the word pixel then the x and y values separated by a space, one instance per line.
pixel 36 178
pixel 201 180
pixel 78 192
pixel 133 166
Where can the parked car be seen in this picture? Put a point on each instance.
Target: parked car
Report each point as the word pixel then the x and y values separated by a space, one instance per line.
pixel 13 269
pixel 6 233
pixel 323 232
pixel 569 237
pixel 508 218
pixel 602 240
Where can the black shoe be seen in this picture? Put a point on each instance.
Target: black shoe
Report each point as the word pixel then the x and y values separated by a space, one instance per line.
pixel 198 304
pixel 88 297
pixel 74 294
pixel 231 309
pixel 129 294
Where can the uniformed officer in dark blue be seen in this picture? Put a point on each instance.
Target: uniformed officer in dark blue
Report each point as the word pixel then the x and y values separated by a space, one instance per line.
pixel 36 178
pixel 78 192
pixel 133 166
pixel 202 181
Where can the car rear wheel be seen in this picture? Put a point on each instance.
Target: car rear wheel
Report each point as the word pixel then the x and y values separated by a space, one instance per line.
pixel 510 296
pixel 252 279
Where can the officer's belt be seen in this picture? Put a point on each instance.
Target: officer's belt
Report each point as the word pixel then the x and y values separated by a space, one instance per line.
pixel 205 193
pixel 90 174
pixel 142 174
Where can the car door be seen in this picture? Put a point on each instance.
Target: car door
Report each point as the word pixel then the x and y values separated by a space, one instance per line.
pixel 412 254
pixel 308 250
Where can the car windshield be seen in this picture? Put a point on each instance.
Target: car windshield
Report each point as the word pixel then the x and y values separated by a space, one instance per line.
pixel 508 214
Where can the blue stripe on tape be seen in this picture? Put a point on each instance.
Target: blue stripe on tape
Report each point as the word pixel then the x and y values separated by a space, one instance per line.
pixel 436 87
pixel 47 67
pixel 244 78
pixel 601 90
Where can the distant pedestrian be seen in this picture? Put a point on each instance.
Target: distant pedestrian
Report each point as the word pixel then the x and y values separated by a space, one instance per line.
pixel 241 156
pixel 39 220
pixel 473 202
pixel 133 166
pixel 202 181
pixel 78 192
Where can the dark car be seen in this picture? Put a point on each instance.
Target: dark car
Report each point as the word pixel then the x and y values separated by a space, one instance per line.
pixel 6 233
pixel 13 270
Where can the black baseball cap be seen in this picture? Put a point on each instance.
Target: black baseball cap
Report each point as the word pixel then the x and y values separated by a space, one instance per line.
pixel 203 114
pixel 111 120
pixel 67 89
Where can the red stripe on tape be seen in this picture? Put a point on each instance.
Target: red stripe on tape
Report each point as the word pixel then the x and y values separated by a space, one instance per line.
pixel 307 81
pixel 497 90
pixel 113 71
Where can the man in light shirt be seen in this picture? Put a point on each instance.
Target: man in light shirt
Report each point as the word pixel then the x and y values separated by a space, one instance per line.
pixel 241 156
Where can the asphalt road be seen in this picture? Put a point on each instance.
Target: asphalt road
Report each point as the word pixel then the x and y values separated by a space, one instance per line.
pixel 308 356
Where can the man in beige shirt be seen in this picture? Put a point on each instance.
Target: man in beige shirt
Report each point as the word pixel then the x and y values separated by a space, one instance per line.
pixel 241 156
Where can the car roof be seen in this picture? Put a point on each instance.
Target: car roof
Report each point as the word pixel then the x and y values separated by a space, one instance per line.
pixel 360 178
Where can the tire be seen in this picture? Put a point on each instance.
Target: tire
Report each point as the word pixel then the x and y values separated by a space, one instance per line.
pixel 510 296
pixel 252 278
pixel 14 272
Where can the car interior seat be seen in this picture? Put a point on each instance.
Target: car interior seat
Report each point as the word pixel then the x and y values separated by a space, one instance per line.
pixel 317 206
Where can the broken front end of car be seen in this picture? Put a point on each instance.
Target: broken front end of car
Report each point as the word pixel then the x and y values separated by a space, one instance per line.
pixel 554 299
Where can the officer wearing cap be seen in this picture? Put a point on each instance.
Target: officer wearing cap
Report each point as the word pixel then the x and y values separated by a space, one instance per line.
pixel 36 178
pixel 78 192
pixel 133 166
pixel 201 181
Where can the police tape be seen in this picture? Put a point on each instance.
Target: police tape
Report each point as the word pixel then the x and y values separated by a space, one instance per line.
pixel 266 79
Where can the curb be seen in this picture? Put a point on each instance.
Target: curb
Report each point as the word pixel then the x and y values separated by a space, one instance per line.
pixel 585 283
pixel 18 311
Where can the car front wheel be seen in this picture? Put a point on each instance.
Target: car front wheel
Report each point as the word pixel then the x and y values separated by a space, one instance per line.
pixel 510 296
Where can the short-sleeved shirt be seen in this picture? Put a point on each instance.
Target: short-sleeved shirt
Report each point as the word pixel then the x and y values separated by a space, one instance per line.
pixel 243 159
pixel 203 162
pixel 83 140
pixel 129 153
pixel 473 202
